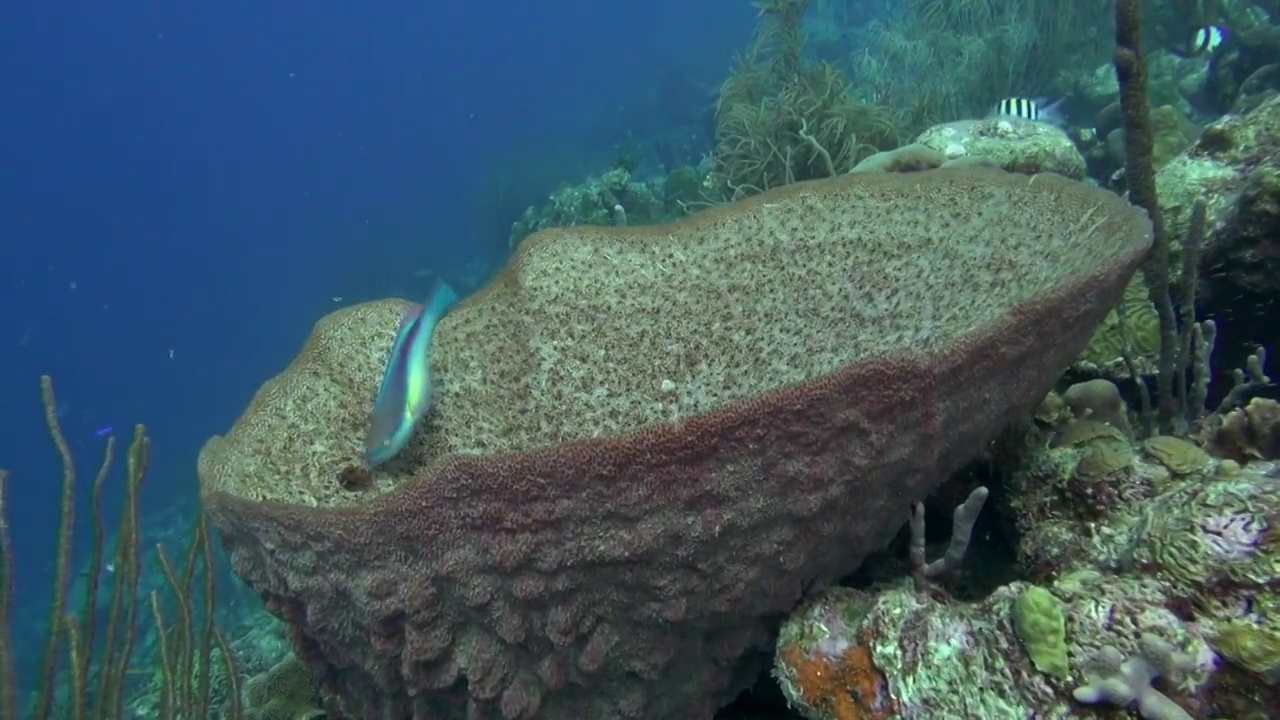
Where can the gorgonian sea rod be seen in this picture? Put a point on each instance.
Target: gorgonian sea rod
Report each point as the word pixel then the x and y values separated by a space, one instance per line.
pixel 647 441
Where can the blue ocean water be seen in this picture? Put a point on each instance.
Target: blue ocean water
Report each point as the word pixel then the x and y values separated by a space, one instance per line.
pixel 187 187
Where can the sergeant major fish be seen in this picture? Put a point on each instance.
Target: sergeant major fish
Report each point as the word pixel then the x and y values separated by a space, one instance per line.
pixel 1206 39
pixel 1030 109
pixel 404 395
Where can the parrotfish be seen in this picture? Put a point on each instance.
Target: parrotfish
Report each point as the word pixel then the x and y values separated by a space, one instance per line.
pixel 404 395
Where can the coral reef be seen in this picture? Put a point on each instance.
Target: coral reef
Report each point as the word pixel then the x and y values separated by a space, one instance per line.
pixel 849 654
pixel 1248 433
pixel 115 645
pixel 285 692
pixel 780 119
pixel 595 201
pixel 648 441
pixel 1138 334
pixel 1203 527
pixel 1038 621
pixel 935 61
pixel 1122 682
pixel 1151 571
pixel 1234 168
pixel 1010 143
pixel 1245 73
pixel 1007 143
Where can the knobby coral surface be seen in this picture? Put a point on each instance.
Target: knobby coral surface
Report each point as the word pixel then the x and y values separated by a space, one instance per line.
pixel 647 441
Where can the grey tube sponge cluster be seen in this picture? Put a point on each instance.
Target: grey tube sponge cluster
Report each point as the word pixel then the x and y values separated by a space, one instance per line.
pixel 1125 681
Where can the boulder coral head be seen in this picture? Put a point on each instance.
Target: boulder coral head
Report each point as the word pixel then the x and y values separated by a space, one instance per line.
pixel 648 441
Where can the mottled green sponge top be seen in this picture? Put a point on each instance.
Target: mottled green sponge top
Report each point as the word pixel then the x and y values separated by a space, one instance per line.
pixel 597 332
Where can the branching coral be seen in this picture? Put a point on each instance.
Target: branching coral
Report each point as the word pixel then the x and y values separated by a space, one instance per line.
pixel 944 60
pixel 780 120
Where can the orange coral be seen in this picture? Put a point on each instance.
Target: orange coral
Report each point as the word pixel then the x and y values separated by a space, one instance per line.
pixel 845 687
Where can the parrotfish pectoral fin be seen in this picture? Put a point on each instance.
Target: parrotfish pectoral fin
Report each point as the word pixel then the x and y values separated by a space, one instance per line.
pixel 404 395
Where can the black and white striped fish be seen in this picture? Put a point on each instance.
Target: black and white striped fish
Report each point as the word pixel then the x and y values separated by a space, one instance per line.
pixel 1207 39
pixel 1030 109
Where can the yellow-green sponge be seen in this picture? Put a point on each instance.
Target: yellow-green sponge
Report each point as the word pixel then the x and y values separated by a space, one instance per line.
pixel 1037 618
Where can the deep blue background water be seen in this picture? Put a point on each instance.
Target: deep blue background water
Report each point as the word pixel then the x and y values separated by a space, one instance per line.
pixel 185 187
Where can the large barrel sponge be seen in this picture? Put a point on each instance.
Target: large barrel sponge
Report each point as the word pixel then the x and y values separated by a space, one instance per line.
pixel 648 441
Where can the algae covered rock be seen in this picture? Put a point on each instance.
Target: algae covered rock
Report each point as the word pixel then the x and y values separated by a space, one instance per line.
pixel 1235 169
pixel 596 201
pixel 1203 529
pixel 894 654
pixel 646 441
pixel 285 692
pixel 1009 143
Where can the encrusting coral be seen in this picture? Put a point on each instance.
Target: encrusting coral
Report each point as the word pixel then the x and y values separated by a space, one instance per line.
pixel 285 692
pixel 1155 569
pixel 647 441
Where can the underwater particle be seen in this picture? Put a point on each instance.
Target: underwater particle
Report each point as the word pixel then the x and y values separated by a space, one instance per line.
pixel 1038 620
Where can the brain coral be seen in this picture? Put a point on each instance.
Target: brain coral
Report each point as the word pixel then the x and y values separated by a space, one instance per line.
pixel 648 441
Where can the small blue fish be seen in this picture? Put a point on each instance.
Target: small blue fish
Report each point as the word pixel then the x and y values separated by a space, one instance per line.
pixel 404 395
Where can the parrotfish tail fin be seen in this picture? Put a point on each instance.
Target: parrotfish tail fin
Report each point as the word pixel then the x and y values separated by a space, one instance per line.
pixel 442 298
pixel 1051 112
